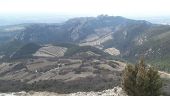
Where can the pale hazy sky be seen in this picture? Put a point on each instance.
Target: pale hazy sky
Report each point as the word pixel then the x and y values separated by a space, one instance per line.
pixel 87 7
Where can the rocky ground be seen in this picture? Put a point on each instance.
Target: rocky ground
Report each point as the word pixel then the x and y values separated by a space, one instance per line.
pixel 117 91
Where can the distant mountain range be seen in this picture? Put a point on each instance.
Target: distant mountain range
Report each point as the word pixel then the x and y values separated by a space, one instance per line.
pixel 132 38
pixel 158 20
pixel 13 19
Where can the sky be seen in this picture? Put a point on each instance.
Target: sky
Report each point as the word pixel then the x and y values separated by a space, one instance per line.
pixel 128 8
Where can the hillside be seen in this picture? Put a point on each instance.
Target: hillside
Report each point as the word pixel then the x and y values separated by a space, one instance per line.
pixel 33 66
pixel 116 91
pixel 128 39
pixel 19 50
pixel 83 71
pixel 63 68
pixel 81 54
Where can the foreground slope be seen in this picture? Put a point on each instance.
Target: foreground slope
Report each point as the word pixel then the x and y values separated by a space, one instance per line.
pixel 117 91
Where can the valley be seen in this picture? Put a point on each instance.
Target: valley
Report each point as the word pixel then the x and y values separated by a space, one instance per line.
pixel 130 38
pixel 85 54
pixel 84 71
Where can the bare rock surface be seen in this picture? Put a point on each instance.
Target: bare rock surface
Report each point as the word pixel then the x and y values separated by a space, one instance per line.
pixel 117 91
pixel 112 51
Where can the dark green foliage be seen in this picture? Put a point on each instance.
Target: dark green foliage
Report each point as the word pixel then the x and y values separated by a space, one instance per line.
pixel 12 86
pixel 42 33
pixel 97 83
pixel 77 49
pixel 73 49
pixel 113 64
pixel 10 47
pixel 17 50
pixel 156 48
pixel 141 81
pixel 26 51
pixel 166 87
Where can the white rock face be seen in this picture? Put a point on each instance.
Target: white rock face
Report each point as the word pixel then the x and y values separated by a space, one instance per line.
pixel 164 75
pixel 97 41
pixel 112 51
pixel 1 56
pixel 14 28
pixel 117 91
pixel 100 36
pixel 50 51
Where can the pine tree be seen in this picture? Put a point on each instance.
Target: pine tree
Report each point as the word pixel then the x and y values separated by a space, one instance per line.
pixel 140 80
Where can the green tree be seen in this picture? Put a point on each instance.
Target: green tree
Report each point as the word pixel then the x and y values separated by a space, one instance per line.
pixel 140 80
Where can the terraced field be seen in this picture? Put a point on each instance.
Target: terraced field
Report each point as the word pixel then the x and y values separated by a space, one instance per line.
pixel 112 51
pixel 50 51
